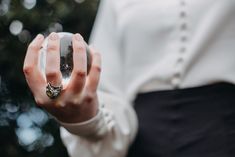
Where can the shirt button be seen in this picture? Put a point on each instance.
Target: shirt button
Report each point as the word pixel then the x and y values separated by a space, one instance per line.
pixel 183 38
pixel 182 14
pixel 180 60
pixel 182 3
pixel 177 74
pixel 176 80
pixel 183 26
pixel 182 50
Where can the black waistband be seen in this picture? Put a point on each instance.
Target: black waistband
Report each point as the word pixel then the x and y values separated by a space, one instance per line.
pixel 212 90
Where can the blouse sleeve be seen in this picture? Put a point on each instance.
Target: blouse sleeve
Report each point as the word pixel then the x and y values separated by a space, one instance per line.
pixel 113 129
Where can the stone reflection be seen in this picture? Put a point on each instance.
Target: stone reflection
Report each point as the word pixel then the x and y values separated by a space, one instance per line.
pixel 66 58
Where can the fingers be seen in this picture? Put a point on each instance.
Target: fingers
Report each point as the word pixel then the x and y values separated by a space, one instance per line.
pixel 78 76
pixel 32 55
pixel 32 73
pixel 94 74
pixel 53 74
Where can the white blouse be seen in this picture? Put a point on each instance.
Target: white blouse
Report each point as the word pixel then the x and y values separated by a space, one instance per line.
pixel 150 45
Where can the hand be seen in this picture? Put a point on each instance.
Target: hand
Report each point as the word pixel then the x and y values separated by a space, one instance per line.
pixel 77 101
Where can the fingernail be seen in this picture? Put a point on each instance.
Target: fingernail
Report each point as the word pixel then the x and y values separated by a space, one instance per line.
pixel 78 36
pixel 53 36
pixel 39 37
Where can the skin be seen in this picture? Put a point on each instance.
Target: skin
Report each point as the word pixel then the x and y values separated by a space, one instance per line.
pixel 78 101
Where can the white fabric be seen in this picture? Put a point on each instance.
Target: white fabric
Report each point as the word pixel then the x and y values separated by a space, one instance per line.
pixel 149 45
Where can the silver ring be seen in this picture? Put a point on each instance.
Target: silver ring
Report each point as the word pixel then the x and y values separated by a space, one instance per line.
pixel 52 91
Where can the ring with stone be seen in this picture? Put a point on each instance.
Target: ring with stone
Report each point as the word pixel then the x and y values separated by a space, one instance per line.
pixel 52 91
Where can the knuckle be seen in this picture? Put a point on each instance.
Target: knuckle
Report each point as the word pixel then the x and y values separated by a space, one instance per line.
pixel 27 69
pixel 88 100
pixel 59 105
pixel 80 74
pixel 89 97
pixel 80 47
pixel 74 102
pixel 52 47
pixel 96 68
pixel 52 74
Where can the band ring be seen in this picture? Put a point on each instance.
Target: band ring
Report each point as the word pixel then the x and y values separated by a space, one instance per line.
pixel 52 91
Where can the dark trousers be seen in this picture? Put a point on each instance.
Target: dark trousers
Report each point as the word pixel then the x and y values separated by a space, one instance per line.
pixel 192 122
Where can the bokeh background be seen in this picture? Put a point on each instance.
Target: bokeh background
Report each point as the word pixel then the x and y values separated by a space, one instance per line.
pixel 26 130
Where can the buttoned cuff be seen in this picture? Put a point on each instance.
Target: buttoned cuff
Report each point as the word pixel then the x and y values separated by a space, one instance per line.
pixel 93 128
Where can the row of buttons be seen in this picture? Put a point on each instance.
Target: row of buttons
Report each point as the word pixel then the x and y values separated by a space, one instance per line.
pixel 108 117
pixel 183 39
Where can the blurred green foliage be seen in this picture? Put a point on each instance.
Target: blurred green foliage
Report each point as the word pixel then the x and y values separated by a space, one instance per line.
pixel 27 131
